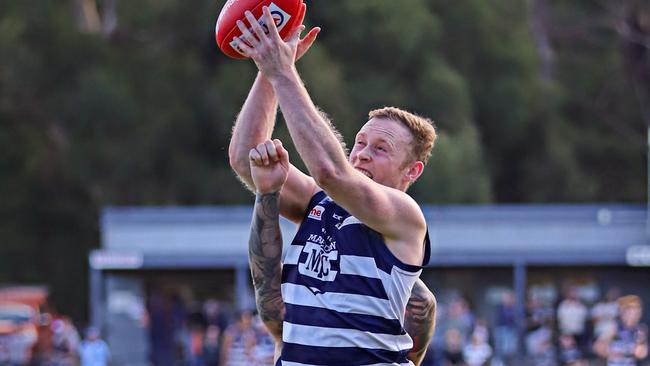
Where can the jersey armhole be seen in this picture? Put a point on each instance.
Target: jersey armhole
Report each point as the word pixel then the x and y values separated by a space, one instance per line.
pixel 315 199
pixel 427 249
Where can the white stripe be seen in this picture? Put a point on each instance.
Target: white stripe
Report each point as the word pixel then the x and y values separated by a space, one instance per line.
pixel 360 266
pixel 398 285
pixel 293 254
pixel 337 301
pixel 289 363
pixel 350 220
pixel 340 337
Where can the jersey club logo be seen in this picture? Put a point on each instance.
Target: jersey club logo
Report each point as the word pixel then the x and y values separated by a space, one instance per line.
pixel 321 253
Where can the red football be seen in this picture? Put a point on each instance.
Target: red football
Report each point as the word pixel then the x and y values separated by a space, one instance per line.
pixel 285 13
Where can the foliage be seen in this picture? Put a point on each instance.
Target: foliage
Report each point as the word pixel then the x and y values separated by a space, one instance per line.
pixel 143 115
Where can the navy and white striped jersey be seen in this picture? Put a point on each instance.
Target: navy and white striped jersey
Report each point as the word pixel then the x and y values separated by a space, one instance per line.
pixel 344 292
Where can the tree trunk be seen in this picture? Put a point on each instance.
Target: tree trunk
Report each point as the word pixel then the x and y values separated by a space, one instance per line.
pixel 109 17
pixel 636 53
pixel 539 29
pixel 87 16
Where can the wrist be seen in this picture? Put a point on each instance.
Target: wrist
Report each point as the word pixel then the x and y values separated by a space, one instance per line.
pixel 267 193
pixel 286 74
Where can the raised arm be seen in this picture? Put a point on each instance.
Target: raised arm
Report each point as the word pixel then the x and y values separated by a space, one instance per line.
pixel 255 124
pixel 264 255
pixel 265 243
pixel 387 210
pixel 419 320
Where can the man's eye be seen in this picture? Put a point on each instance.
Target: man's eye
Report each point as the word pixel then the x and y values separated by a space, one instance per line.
pixel 360 143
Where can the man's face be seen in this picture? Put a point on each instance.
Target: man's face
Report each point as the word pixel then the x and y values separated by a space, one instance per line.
pixel 381 149
pixel 631 315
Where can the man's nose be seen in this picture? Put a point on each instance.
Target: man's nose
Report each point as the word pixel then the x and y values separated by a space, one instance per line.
pixel 364 154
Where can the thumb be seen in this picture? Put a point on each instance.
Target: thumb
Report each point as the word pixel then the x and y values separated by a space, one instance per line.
pixel 283 154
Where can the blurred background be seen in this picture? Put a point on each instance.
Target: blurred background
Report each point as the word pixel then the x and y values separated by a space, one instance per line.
pixel 115 118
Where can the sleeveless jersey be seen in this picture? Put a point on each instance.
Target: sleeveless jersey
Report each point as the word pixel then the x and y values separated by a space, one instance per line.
pixel 621 348
pixel 344 292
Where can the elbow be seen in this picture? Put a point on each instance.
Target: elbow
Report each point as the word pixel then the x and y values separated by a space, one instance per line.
pixel 326 175
pixel 431 303
pixel 238 160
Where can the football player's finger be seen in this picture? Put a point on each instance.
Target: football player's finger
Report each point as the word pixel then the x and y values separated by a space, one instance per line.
pixel 283 154
pixel 257 28
pixel 295 37
pixel 245 49
pixel 270 24
pixel 254 157
pixel 271 151
pixel 248 36
pixel 261 149
pixel 311 36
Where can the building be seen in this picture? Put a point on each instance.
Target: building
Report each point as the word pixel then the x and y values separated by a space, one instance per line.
pixel 477 252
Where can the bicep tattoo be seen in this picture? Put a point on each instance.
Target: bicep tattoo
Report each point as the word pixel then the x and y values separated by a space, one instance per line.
pixel 419 320
pixel 264 255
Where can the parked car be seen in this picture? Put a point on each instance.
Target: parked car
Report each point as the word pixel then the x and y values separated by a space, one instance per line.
pixel 18 333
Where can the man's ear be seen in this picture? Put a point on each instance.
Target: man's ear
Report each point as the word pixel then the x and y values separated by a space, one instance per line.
pixel 414 171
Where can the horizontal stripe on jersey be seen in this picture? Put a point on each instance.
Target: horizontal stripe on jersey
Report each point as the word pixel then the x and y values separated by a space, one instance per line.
pixel 307 315
pixel 314 355
pixel 350 264
pixel 288 363
pixel 340 337
pixel 341 302
pixel 346 284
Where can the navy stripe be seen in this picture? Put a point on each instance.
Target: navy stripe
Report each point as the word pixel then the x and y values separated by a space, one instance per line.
pixel 349 284
pixel 384 257
pixel 427 249
pixel 318 317
pixel 339 356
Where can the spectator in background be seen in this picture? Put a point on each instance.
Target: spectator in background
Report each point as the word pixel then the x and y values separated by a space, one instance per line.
pixel 569 353
pixel 461 318
pixel 178 316
pixel 214 314
pixel 539 345
pixel 572 317
pixel 93 351
pixel 192 344
pixel 505 332
pixel 605 312
pixel 453 352
pixel 161 330
pixel 264 348
pixel 211 346
pixel 239 341
pixel 478 352
pixel 626 343
pixel 65 343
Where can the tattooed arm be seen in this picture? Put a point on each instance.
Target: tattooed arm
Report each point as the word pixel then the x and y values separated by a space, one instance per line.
pixel 420 319
pixel 264 254
pixel 269 164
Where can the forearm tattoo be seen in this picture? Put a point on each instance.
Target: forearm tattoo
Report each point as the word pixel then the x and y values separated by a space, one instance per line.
pixel 419 320
pixel 264 255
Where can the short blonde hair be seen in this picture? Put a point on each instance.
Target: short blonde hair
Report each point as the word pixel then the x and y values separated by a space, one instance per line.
pixel 422 129
pixel 629 301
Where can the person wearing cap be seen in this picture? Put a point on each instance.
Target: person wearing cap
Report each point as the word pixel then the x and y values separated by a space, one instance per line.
pixel 626 343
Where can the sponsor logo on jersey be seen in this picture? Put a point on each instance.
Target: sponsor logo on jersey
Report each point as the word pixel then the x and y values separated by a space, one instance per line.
pixel 316 213
pixel 321 253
